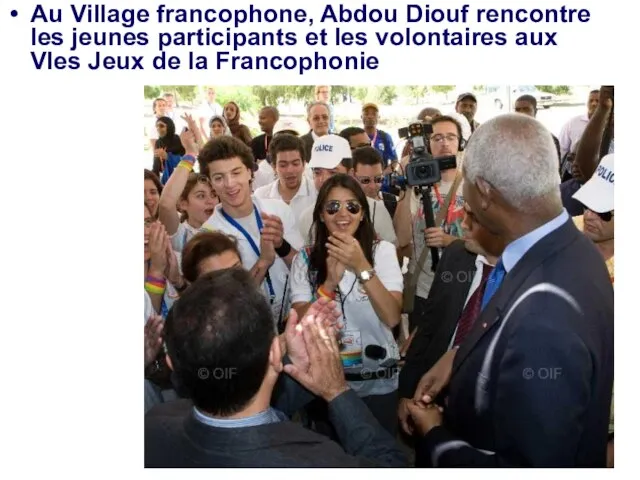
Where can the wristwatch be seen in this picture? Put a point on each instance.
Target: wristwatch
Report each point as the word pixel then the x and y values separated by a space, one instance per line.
pixel 366 275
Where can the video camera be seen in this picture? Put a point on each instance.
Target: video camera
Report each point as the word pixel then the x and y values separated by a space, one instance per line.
pixel 423 170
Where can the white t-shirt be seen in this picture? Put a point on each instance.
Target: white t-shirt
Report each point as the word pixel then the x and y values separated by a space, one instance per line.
pixel 265 175
pixel 358 313
pixel 382 223
pixel 279 272
pixel 184 233
pixel 304 198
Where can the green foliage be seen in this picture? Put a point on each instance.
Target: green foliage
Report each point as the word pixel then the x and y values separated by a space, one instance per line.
pixel 443 88
pixel 243 96
pixel 555 89
pixel 416 92
pixel 151 92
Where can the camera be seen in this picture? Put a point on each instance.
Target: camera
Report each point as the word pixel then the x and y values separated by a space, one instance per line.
pixel 423 170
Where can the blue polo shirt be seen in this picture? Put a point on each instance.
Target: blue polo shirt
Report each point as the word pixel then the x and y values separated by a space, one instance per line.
pixel 383 143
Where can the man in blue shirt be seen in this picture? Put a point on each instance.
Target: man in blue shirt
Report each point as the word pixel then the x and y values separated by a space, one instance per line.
pixel 380 140
pixel 531 384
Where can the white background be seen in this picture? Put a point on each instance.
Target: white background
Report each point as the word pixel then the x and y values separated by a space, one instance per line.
pixel 72 235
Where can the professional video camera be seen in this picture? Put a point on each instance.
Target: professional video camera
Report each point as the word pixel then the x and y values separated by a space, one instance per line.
pixel 423 171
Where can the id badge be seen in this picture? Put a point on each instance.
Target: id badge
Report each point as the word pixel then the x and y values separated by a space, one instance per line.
pixel 351 349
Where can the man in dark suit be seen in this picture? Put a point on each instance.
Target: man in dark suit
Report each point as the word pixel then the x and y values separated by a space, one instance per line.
pixel 531 384
pixel 318 116
pixel 222 344
pixel 452 307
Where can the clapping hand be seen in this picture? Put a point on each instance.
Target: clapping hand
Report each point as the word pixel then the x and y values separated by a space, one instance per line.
pixel 347 250
pixel 323 310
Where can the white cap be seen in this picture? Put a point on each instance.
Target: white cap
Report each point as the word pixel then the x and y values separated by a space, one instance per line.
pixel 464 124
pixel 286 125
pixel 597 193
pixel 328 151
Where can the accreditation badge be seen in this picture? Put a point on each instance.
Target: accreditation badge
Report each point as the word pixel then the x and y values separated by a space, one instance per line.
pixel 351 349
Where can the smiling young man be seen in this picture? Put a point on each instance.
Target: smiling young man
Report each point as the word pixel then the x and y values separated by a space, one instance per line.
pixel 292 185
pixel 266 230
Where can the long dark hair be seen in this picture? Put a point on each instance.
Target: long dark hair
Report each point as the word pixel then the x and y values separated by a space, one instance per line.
pixel 365 234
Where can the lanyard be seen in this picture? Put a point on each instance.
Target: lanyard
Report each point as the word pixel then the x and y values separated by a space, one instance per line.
pixel 254 247
pixel 266 145
pixel 373 140
pixel 342 300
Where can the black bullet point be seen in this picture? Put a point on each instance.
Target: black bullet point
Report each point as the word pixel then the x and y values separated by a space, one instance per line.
pixel 14 13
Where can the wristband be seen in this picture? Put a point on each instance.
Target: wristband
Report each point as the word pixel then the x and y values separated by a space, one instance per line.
pixel 284 249
pixel 155 285
pixel 325 294
pixel 189 159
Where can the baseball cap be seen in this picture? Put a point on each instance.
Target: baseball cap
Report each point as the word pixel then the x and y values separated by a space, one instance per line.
pixel 470 95
pixel 370 105
pixel 328 151
pixel 597 193
pixel 286 125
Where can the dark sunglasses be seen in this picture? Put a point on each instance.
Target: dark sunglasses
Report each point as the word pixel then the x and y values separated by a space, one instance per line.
pixel 334 206
pixel 606 216
pixel 367 180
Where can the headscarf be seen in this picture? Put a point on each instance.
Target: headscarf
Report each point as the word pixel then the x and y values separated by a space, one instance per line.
pixel 170 142
pixel 234 125
pixel 220 119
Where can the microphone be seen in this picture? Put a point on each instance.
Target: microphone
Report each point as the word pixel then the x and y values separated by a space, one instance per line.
pixel 375 352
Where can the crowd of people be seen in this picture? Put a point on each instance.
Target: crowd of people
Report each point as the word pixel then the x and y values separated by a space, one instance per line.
pixel 311 302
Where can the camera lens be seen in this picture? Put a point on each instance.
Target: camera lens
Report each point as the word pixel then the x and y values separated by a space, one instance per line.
pixel 423 171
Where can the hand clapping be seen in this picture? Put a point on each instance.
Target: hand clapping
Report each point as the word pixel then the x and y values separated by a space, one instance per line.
pixel 347 250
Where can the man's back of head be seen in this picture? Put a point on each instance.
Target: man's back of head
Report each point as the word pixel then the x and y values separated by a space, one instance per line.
pixel 515 154
pixel 218 336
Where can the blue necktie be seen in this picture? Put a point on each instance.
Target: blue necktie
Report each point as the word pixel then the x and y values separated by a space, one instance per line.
pixel 493 283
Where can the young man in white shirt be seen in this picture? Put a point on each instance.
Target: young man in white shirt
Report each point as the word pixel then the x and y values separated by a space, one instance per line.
pixel 265 229
pixel 292 185
pixel 330 155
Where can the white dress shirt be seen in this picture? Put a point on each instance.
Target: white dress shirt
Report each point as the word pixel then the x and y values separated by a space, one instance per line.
pixel 304 198
pixel 571 133
pixel 475 283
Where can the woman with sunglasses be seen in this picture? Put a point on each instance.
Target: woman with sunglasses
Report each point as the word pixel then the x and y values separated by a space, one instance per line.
pixel 188 199
pixel 348 264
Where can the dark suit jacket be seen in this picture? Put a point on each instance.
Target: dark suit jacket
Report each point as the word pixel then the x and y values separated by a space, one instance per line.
pixel 307 139
pixel 444 307
pixel 175 439
pixel 534 388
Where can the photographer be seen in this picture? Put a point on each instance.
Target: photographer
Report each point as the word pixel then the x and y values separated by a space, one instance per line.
pixel 413 234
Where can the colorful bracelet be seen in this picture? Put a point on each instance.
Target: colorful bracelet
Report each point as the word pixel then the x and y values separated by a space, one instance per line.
pixel 185 164
pixel 189 159
pixel 325 294
pixel 155 285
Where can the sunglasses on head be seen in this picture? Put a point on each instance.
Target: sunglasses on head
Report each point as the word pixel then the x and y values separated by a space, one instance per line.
pixel 367 180
pixel 606 216
pixel 334 206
